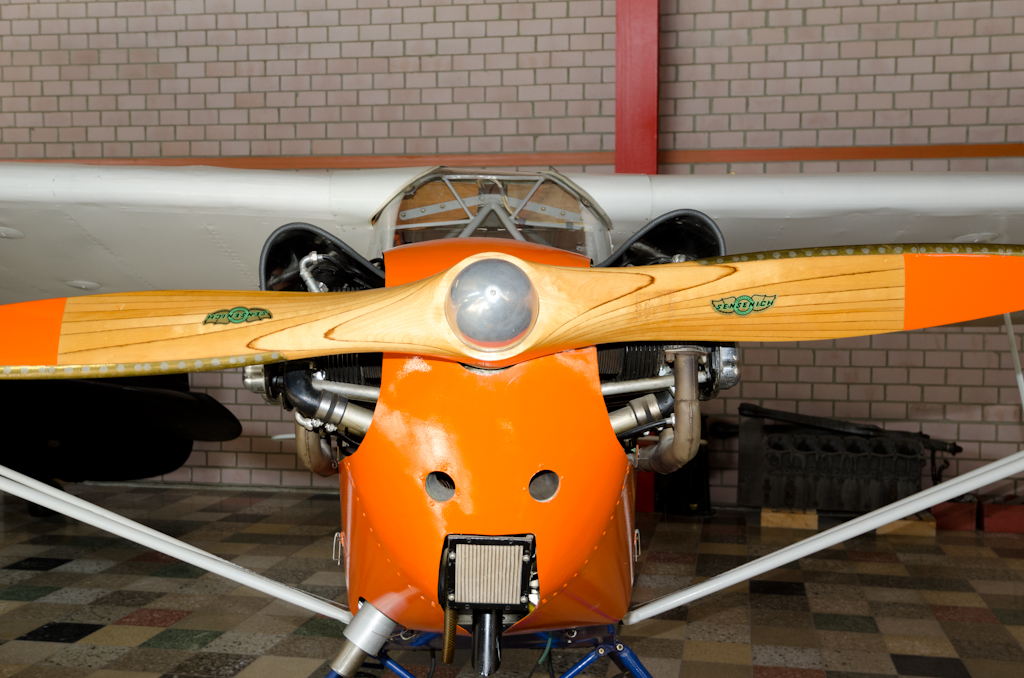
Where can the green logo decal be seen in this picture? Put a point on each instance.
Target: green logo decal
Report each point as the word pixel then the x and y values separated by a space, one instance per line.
pixel 236 315
pixel 743 305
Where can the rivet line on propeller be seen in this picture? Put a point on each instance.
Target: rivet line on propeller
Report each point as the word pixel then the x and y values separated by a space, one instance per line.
pixel 862 250
pixel 135 369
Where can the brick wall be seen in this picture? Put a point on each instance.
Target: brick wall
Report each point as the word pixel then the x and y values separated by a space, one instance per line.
pixel 254 458
pixel 771 73
pixel 952 383
pixel 299 77
pixel 329 77
pixel 818 166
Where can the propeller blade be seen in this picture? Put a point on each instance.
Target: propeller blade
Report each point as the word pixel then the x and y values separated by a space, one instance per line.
pixel 821 293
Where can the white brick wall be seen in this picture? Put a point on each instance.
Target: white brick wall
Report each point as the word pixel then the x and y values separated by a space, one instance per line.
pixel 330 77
pixel 300 77
pixel 807 73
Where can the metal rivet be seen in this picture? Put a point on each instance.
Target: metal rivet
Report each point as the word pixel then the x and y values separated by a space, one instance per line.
pixel 82 284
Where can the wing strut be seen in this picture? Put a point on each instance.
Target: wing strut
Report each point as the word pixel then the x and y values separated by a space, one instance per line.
pixel 39 493
pixel 1008 322
pixel 920 501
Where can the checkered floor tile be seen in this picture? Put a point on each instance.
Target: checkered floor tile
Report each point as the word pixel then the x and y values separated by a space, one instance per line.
pixel 76 602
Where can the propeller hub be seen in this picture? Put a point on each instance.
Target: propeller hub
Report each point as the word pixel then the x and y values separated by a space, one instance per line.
pixel 492 305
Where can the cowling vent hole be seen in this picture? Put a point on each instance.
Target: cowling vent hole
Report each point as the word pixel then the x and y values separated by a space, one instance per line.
pixel 440 486
pixel 544 485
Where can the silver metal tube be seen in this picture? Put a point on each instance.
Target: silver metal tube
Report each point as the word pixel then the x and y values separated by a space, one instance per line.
pixel 527 198
pixel 349 659
pixel 986 475
pixel 637 385
pixel 639 411
pixel 1013 354
pixel 364 394
pixel 15 483
pixel 458 198
pixel 305 272
pixel 356 418
pixel 364 636
pixel 678 446
pixel 315 452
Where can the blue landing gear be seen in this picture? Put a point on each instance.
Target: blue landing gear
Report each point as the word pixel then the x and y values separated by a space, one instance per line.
pixel 623 657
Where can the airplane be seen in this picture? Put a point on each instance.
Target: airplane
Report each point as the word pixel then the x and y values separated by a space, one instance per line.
pixel 435 333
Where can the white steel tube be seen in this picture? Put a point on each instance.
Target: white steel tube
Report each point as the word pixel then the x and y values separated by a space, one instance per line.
pixel 172 547
pixel 920 501
pixel 71 499
pixel 1016 358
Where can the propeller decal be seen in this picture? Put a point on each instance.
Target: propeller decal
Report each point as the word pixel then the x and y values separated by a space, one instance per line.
pixel 238 314
pixel 744 305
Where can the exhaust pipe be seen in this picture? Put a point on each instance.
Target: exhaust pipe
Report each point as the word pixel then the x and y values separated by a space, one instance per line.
pixel 679 444
pixel 329 409
pixel 641 411
pixel 486 641
pixel 314 451
pixel 315 408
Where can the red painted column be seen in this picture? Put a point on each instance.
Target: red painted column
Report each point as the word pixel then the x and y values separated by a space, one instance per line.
pixel 636 120
pixel 636 86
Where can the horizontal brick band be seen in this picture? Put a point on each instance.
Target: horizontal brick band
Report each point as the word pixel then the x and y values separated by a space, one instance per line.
pixel 841 153
pixel 695 157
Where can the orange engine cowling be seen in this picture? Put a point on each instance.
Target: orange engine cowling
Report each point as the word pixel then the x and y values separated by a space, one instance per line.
pixel 490 431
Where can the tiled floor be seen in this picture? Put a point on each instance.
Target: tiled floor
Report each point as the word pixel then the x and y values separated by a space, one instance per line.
pixel 75 602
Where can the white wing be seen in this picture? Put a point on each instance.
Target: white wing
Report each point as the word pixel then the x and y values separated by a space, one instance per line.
pixel 764 212
pixel 141 228
pixel 138 228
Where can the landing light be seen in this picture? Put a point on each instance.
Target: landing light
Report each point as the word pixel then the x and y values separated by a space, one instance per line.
pixel 492 305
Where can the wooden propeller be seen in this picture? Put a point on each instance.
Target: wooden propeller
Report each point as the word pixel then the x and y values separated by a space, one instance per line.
pixel 770 296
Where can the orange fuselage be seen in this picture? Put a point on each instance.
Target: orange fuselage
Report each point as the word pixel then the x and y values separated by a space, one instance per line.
pixel 490 431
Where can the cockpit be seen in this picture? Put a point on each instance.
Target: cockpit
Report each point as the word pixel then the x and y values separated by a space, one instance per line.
pixel 541 207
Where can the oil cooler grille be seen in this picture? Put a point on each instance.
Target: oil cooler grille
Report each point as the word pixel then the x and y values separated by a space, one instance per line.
pixel 488 573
